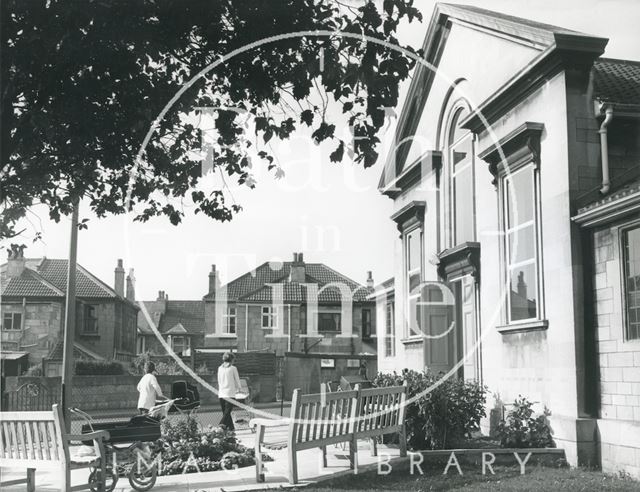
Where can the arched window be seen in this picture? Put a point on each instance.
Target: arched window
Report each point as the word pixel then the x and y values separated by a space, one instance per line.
pixel 460 179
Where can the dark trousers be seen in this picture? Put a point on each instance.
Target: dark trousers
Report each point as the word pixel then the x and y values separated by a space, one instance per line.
pixel 226 420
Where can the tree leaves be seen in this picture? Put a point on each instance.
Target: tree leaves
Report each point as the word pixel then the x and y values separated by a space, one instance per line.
pixel 84 81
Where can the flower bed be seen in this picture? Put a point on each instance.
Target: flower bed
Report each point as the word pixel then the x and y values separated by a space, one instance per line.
pixel 186 448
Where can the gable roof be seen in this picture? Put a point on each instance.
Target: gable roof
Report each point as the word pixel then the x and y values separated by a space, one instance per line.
pixel 251 287
pixel 48 278
pixel 179 317
pixel 544 37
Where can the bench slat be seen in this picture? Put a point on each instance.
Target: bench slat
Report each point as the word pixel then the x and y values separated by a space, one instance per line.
pixel 27 432
pixel 44 441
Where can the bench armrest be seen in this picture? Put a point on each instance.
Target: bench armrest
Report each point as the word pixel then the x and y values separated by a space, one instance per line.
pixel 90 436
pixel 268 422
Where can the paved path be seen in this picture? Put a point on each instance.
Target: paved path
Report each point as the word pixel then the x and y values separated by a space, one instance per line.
pixel 310 470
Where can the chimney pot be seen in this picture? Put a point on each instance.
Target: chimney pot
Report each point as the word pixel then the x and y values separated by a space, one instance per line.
pixel 118 284
pixel 16 261
pixel 131 282
pixel 300 258
pixel 213 279
pixel 369 279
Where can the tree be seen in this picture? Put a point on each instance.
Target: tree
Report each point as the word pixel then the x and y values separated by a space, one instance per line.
pixel 82 83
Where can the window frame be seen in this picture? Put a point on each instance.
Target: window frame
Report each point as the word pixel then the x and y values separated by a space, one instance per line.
pixel 330 313
pixel 227 317
pixel 12 314
pixel 505 230
pixel 635 225
pixel 408 273
pixel 89 314
pixel 450 174
pixel 367 327
pixel 186 344
pixel 271 314
pixel 389 329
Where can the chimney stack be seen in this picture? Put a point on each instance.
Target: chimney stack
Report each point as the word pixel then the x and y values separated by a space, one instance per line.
pixel 16 261
pixel 118 283
pixel 131 282
pixel 214 282
pixel 298 273
pixel 369 279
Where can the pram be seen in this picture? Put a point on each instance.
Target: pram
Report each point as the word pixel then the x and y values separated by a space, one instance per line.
pixel 186 395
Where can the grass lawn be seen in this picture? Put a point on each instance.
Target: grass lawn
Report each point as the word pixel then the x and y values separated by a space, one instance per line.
pixel 537 479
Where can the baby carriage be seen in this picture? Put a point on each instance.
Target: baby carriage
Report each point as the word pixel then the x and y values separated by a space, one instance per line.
pixel 187 397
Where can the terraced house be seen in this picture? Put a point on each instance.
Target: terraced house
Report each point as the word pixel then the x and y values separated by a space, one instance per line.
pixel 290 306
pixel 516 192
pixel 33 303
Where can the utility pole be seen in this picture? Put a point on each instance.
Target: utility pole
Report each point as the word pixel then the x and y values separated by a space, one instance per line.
pixel 70 320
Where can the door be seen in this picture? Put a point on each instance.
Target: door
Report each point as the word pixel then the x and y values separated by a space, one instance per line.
pixel 467 327
pixel 437 315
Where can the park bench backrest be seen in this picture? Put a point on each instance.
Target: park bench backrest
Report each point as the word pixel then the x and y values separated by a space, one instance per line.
pixel 321 418
pixel 379 409
pixel 30 438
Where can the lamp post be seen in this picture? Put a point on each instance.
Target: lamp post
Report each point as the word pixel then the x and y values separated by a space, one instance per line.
pixel 70 319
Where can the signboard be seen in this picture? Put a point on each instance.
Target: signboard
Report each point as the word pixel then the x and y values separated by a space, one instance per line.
pixel 328 363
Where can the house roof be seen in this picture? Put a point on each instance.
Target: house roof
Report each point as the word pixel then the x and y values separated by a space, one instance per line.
pixel 251 287
pixel 179 317
pixel 617 81
pixel 48 278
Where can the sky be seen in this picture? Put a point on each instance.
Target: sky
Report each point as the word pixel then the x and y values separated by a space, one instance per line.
pixel 333 213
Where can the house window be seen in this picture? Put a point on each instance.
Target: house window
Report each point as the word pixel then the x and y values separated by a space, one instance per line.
pixel 230 320
pixel 366 323
pixel 90 320
pixel 269 317
pixel 141 345
pixel 521 245
pixel 180 344
pixel 461 190
pixel 12 321
pixel 413 272
pixel 631 253
pixel 329 322
pixel 390 331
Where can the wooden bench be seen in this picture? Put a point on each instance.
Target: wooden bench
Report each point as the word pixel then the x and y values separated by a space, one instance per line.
pixel 37 440
pixel 322 419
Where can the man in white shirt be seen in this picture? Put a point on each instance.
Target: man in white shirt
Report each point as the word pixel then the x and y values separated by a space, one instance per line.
pixel 149 389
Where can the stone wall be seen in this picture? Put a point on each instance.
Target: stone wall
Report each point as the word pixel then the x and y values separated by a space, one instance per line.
pixel 619 422
pixel 41 325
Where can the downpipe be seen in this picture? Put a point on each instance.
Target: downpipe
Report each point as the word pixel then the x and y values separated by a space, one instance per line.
pixel 604 150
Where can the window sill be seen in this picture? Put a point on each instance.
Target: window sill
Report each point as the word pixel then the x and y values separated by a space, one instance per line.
pixel 536 325
pixel 221 335
pixel 89 335
pixel 412 340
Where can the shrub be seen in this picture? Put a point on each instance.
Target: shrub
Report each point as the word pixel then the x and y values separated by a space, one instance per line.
pixel 163 368
pixel 34 371
pixel 183 443
pixel 522 429
pixel 98 368
pixel 443 416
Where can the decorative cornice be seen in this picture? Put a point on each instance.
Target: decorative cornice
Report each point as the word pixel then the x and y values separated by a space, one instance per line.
pixel 412 175
pixel 609 211
pixel 521 146
pixel 463 259
pixel 411 213
pixel 568 51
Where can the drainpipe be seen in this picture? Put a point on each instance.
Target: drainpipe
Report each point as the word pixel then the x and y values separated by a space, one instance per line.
pixel 604 149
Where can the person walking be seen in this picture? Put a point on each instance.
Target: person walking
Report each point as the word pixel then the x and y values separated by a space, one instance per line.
pixel 228 386
pixel 149 389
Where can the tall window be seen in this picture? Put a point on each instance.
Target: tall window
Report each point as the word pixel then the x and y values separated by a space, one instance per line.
pixel 521 245
pixel 269 317
pixel 329 322
pixel 90 320
pixel 389 330
pixel 461 190
pixel 366 323
pixel 413 266
pixel 230 320
pixel 12 321
pixel 631 253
